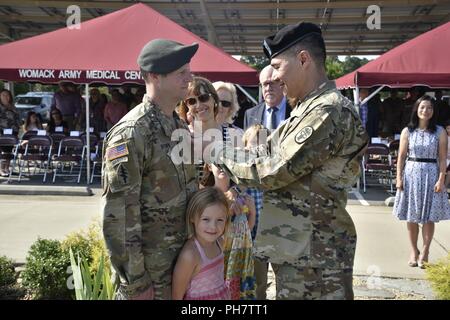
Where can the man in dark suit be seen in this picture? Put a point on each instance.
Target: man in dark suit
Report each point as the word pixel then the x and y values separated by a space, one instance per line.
pixel 274 109
pixel 264 114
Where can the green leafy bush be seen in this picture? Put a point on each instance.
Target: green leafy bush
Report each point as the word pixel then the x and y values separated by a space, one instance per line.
pixel 7 273
pixel 439 276
pixel 46 270
pixel 90 245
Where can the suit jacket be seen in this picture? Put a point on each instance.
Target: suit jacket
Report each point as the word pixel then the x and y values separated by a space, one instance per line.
pixel 255 115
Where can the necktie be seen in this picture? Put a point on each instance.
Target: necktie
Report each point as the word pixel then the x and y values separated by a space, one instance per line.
pixel 273 118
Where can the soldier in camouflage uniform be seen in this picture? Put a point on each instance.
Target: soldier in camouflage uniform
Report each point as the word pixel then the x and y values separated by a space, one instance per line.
pixel 145 194
pixel 313 159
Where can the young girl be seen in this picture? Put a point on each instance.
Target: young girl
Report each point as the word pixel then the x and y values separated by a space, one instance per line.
pixel 239 264
pixel 199 271
pixel 32 123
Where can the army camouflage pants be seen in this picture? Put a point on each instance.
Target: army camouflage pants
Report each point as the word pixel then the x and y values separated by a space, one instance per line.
pixel 295 283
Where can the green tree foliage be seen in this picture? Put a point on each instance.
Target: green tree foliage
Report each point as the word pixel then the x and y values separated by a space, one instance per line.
pixel 256 62
pixel 334 67
pixel 352 63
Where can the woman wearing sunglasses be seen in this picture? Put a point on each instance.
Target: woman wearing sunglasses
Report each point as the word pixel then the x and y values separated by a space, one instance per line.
pixel 228 104
pixel 202 104
pixel 228 108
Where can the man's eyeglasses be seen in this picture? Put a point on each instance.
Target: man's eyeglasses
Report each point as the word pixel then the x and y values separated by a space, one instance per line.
pixel 192 101
pixel 225 103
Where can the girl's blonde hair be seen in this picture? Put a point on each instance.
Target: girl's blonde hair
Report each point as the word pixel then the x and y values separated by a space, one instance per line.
pixel 220 85
pixel 200 201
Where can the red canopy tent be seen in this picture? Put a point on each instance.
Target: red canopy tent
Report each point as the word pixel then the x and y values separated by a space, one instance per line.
pixel 424 60
pixel 105 49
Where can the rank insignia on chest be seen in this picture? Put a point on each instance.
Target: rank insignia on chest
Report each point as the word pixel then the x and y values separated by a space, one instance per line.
pixel 116 151
pixel 303 135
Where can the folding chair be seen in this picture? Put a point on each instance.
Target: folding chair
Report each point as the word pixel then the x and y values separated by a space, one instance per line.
pixel 38 150
pixel 71 152
pixel 93 140
pixel 393 149
pixel 97 160
pixel 377 162
pixel 56 138
pixel 27 135
pixel 12 142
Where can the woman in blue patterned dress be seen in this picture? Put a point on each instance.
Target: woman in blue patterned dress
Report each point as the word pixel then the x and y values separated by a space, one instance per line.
pixel 421 195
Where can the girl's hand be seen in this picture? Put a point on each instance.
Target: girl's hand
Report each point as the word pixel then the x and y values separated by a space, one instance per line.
pixel 439 186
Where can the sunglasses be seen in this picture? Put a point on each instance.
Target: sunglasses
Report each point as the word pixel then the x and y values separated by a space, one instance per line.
pixel 225 103
pixel 201 98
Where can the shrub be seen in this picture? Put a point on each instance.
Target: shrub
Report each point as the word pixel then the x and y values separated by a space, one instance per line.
pixel 90 245
pixel 439 276
pixel 7 272
pixel 46 270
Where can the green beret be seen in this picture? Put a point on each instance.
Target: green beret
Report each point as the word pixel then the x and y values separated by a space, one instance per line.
pixel 163 56
pixel 287 37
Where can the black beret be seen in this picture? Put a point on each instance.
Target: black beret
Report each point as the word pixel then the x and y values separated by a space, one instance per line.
pixel 287 37
pixel 163 56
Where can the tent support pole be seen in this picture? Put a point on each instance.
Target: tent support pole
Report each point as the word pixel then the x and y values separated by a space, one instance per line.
pixel 248 95
pixel 88 140
pixel 10 86
pixel 373 94
pixel 356 101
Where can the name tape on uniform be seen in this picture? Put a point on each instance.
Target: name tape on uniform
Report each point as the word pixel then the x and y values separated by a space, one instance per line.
pixel 117 151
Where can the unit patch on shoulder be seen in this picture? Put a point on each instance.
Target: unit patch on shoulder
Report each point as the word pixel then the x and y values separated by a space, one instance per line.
pixel 117 151
pixel 303 135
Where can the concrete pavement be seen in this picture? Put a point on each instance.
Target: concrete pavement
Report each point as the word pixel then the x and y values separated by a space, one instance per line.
pixel 25 218
pixel 383 248
pixel 381 255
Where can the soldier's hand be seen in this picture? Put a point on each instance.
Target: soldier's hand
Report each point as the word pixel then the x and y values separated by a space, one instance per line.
pixel 250 202
pixel 148 294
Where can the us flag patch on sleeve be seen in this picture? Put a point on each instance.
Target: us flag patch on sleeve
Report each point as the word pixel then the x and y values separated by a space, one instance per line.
pixel 116 151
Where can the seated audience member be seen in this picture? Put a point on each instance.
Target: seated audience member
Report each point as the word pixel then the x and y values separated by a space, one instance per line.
pixel 56 120
pixel 32 122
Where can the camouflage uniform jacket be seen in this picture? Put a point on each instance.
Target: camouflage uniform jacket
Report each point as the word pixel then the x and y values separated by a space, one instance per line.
pixel 144 198
pixel 9 119
pixel 315 159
